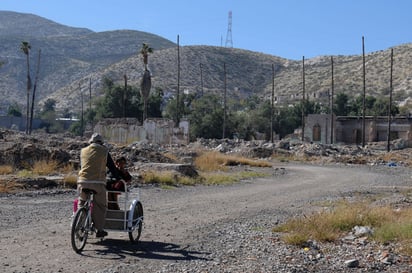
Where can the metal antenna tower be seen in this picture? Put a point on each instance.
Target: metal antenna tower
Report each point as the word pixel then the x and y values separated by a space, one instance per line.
pixel 229 42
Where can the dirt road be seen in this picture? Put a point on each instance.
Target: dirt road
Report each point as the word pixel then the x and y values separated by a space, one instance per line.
pixel 35 228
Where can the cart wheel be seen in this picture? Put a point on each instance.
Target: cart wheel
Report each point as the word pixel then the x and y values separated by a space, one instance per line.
pixel 137 223
pixel 79 231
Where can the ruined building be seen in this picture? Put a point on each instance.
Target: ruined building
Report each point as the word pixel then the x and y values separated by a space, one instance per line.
pixel 322 128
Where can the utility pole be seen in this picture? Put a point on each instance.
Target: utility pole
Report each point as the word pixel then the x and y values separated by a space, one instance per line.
pixel 272 103
pixel 364 94
pixel 388 147
pixel 303 98
pixel 201 79
pixel 331 102
pixel 124 95
pixel 82 111
pixel 178 83
pixel 90 94
pixel 224 102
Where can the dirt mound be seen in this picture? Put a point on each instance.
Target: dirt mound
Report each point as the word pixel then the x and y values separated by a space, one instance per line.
pixel 21 151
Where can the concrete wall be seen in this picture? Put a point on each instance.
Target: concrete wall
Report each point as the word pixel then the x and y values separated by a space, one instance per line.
pixel 321 121
pixel 17 123
pixel 129 130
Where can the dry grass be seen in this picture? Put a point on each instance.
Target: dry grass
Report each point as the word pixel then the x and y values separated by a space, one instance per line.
pixel 45 167
pixel 172 157
pixel 169 178
pixel 70 181
pixel 67 169
pixel 224 178
pixel 215 161
pixel 398 156
pixel 9 186
pixel 6 169
pixel 389 225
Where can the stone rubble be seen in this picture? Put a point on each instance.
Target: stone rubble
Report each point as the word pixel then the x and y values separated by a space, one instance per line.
pixel 20 150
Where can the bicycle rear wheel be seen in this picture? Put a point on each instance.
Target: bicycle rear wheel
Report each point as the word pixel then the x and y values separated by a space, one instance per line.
pixel 80 230
pixel 137 223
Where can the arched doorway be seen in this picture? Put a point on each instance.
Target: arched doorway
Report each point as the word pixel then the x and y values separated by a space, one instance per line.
pixel 316 132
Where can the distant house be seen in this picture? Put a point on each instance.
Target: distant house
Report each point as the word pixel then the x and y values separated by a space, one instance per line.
pixel 322 128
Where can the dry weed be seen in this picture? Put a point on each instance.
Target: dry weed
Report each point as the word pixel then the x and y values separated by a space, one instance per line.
pixel 6 169
pixel 215 161
pixel 45 167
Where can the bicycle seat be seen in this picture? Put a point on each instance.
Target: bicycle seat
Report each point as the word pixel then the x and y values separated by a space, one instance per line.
pixel 89 191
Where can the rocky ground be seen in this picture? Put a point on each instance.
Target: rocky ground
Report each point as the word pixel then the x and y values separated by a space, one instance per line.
pixel 20 150
pixel 208 228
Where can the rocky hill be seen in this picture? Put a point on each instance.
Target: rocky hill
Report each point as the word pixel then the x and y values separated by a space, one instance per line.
pixel 73 56
pixel 251 73
pixel 67 54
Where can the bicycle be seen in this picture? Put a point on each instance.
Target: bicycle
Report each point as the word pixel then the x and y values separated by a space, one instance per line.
pixel 129 220
pixel 82 225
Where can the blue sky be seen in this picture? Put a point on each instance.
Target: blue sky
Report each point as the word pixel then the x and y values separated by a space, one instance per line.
pixel 289 28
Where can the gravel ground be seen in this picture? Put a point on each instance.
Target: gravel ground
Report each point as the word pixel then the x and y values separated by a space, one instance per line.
pixel 208 228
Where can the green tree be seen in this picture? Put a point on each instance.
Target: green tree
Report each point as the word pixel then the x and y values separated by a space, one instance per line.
pixel 49 106
pixel 48 115
pixel 381 107
pixel 76 128
pixel 341 105
pixel 14 110
pixel 255 119
pixel 185 106
pixel 112 103
pixel 206 116
pixel 155 104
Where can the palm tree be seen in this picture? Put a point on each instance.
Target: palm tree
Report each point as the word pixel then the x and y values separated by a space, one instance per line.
pixel 146 82
pixel 34 92
pixel 25 47
pixel 145 50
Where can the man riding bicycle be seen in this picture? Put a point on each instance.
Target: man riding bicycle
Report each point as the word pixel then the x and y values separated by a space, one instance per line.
pixel 92 175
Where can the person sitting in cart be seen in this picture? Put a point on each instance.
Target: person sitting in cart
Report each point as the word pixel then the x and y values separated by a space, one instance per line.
pixel 117 185
pixel 92 175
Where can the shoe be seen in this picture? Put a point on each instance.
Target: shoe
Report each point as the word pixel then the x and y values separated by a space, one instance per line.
pixel 101 234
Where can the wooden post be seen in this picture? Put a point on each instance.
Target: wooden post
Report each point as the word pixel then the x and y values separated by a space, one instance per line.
pixel 388 147
pixel 303 98
pixel 90 94
pixel 82 111
pixel 124 97
pixel 224 102
pixel 201 79
pixel 272 103
pixel 364 94
pixel 331 102
pixel 178 83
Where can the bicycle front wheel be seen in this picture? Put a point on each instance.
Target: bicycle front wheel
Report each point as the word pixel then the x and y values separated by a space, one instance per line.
pixel 137 223
pixel 80 230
